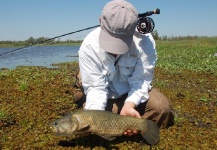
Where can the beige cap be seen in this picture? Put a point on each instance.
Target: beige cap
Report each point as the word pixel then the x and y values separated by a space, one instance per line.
pixel 118 23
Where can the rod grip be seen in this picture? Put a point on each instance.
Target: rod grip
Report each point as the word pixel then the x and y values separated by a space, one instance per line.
pixel 149 13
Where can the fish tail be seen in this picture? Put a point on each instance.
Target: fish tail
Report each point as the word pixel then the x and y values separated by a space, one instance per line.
pixel 152 134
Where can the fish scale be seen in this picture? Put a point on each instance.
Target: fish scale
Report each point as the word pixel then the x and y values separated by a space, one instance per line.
pixel 105 124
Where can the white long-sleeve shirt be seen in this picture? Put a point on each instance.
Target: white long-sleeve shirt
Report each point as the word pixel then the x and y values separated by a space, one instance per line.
pixel 106 77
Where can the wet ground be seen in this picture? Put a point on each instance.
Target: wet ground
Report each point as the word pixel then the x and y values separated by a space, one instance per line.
pixel 32 97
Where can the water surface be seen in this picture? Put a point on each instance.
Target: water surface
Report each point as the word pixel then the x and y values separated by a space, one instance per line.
pixel 38 56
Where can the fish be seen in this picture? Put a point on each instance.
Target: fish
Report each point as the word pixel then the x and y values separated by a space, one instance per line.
pixel 105 124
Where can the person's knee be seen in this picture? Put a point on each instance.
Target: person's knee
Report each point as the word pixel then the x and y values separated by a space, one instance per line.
pixel 159 102
pixel 164 107
pixel 162 110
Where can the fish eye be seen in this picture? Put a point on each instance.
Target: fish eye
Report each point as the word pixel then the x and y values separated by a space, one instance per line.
pixel 55 123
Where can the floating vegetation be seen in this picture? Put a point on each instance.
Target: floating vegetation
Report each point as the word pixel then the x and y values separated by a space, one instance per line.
pixel 32 97
pixel 182 55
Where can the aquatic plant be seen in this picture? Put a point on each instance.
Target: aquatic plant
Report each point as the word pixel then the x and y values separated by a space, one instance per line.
pixel 32 97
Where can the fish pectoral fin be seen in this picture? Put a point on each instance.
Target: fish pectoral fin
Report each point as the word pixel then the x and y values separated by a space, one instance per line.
pixel 109 138
pixel 84 128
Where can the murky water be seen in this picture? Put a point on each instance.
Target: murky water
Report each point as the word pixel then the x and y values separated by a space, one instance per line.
pixel 38 56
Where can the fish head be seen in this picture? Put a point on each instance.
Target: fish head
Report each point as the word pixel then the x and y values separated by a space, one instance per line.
pixel 64 126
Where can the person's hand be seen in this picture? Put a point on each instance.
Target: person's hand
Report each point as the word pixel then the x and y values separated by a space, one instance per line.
pixel 130 132
pixel 129 110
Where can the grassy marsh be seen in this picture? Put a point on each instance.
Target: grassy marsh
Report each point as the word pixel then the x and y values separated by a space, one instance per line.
pixel 32 97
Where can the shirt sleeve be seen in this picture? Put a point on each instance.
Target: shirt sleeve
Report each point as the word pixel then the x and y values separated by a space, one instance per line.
pixel 140 81
pixel 93 78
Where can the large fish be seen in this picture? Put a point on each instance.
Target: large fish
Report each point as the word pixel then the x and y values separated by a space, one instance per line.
pixel 105 124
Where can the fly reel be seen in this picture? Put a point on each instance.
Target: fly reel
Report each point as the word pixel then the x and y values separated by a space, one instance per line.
pixel 146 24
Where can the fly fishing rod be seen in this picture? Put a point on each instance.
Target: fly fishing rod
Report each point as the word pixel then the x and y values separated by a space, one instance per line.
pixel 145 25
pixel 47 40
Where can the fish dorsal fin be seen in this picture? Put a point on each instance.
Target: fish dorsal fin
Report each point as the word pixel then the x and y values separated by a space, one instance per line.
pixel 109 138
pixel 84 128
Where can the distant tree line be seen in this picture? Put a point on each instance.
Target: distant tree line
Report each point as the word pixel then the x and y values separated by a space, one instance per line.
pixel 47 41
pixel 40 40
pixel 176 38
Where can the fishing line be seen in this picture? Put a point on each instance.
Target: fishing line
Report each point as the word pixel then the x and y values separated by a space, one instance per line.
pixel 15 50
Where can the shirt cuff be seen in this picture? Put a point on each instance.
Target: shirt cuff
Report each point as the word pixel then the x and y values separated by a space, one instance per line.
pixel 136 99
pixel 96 102
pixel 133 98
pixel 94 107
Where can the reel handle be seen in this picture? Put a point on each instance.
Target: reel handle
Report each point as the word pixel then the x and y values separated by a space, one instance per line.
pixel 149 13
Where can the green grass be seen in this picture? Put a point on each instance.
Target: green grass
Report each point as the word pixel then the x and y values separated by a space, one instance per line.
pixel 195 55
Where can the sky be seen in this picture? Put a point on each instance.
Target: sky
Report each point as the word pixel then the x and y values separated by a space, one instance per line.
pixel 22 19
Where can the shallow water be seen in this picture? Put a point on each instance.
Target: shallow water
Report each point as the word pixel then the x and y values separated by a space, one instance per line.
pixel 37 56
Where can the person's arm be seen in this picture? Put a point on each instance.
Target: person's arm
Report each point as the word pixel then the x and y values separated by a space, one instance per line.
pixel 93 79
pixel 140 81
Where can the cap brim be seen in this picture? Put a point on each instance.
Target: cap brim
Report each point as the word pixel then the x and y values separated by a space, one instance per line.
pixel 114 45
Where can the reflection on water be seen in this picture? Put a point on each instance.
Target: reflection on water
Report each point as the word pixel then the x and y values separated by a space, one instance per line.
pixel 38 56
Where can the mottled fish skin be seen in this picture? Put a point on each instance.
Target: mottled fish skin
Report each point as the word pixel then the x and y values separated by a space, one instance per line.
pixel 105 124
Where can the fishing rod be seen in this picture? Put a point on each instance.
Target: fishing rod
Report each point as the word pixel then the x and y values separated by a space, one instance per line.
pixel 145 25
pixel 47 40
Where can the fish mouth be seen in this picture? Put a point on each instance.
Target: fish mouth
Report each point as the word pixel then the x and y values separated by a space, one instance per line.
pixel 56 132
pixel 53 129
